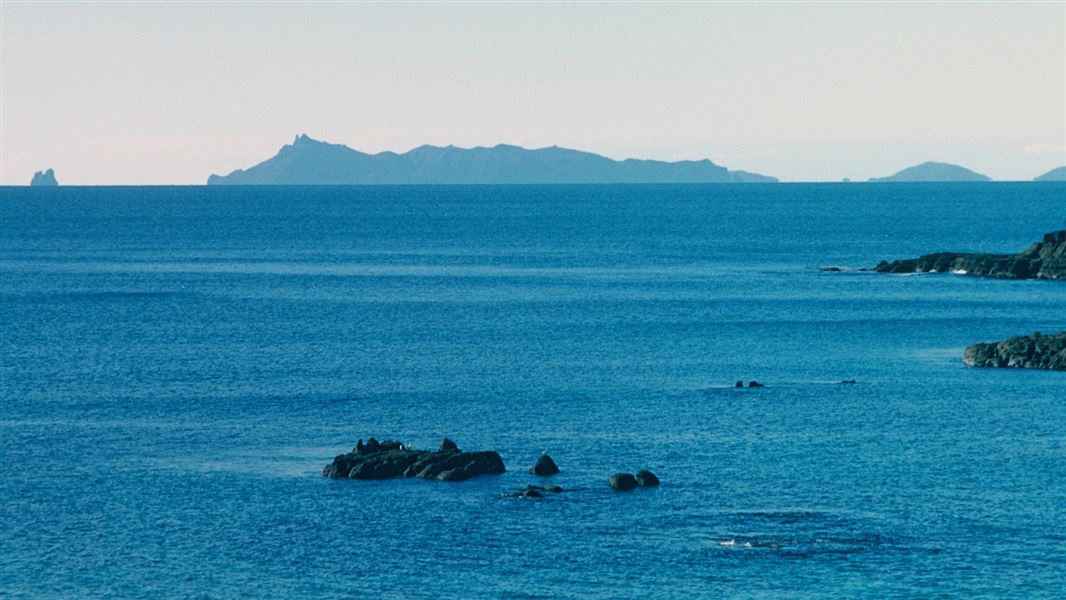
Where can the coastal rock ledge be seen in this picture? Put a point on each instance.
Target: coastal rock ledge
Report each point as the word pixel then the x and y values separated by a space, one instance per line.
pixel 1034 351
pixel 390 459
pixel 1045 259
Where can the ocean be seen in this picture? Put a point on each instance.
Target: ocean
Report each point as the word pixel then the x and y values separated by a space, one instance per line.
pixel 179 363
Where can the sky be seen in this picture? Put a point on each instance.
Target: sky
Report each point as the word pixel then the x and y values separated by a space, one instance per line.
pixel 168 93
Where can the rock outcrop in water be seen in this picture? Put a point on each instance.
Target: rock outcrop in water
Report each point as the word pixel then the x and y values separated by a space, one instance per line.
pixel 1045 259
pixel 627 481
pixel 544 466
pixel 44 179
pixel 1034 351
pixel 310 162
pixel 622 481
pixel 535 491
pixel 646 478
pixel 390 459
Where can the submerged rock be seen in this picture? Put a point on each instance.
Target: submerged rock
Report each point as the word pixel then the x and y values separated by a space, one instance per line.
pixel 1034 351
pixel 1045 259
pixel 535 491
pixel 646 478
pixel 544 466
pixel 623 481
pixel 755 384
pixel 390 459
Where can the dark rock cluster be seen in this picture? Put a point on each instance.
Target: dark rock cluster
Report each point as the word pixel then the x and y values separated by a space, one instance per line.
pixel 391 459
pixel 386 460
pixel 1045 259
pixel 628 481
pixel 1034 351
pixel 535 491
pixel 751 384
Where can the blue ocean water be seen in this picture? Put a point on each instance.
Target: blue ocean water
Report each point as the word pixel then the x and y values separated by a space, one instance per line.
pixel 178 364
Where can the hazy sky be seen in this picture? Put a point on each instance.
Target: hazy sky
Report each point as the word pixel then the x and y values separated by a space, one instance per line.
pixel 172 92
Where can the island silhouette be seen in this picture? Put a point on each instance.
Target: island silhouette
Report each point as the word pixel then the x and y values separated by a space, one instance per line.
pixel 1058 174
pixel 933 171
pixel 307 161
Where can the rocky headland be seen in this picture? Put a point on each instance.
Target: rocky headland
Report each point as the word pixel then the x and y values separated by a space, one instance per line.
pixel 1045 259
pixel 391 459
pixel 1036 351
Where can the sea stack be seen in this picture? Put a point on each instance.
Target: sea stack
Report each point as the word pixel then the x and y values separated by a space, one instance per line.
pixel 44 179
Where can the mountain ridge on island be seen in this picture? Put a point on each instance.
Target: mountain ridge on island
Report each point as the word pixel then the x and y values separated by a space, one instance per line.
pixel 933 172
pixel 307 161
pixel 1057 174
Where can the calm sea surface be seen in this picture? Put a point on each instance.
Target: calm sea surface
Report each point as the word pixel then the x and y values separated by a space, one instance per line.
pixel 177 364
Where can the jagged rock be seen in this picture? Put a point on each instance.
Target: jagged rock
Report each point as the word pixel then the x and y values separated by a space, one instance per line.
pixel 646 478
pixel 44 178
pixel 544 466
pixel 390 459
pixel 447 445
pixel 1034 351
pixel 623 481
pixel 372 446
pixel 1045 259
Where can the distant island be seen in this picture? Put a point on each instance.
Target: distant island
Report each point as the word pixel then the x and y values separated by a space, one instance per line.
pixel 311 162
pixel 1058 174
pixel 933 171
pixel 44 178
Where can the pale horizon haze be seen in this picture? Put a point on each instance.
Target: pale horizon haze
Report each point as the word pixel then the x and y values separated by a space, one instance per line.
pixel 169 93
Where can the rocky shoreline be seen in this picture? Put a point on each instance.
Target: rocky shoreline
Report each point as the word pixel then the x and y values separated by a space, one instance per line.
pixel 1045 259
pixel 1036 351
